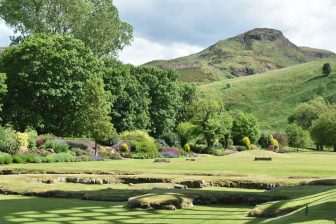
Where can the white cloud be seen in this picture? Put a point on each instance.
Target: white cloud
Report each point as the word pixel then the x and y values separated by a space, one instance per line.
pixel 143 50
pixel 5 32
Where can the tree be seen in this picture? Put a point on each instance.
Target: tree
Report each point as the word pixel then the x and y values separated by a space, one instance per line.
pixel 306 113
pixel 211 118
pixel 187 131
pixel 95 111
pixel 326 69
pixel 297 137
pixel 46 79
pixel 130 97
pixel 3 88
pixel 323 130
pixel 95 22
pixel 164 95
pixel 244 124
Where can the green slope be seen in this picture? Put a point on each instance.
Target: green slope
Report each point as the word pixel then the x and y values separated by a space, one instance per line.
pixel 255 51
pixel 272 96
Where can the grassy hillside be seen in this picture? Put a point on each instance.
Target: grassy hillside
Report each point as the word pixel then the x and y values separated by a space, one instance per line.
pixel 272 96
pixel 255 51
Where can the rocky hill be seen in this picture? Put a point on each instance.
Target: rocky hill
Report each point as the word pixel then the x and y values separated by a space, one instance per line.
pixel 255 51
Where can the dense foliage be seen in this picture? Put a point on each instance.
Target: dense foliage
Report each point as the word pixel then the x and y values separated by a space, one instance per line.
pixel 46 79
pixel 244 124
pixel 95 22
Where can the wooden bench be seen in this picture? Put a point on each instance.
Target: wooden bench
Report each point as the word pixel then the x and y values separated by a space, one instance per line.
pixel 262 158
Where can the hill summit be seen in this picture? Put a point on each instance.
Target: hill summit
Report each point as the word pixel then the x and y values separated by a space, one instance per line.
pixel 258 50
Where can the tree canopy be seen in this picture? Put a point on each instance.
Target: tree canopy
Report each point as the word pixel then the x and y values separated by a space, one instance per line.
pixel 95 22
pixel 46 79
pixel 244 125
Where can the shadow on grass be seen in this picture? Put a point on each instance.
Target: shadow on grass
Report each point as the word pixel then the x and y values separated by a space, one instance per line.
pixel 21 209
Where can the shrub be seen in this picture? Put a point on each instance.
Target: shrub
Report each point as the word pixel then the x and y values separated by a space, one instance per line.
pixel 58 145
pixel 172 139
pixel 8 142
pixel 187 147
pixel 246 142
pixel 187 131
pixel 141 144
pixel 113 139
pixel 161 143
pixel 240 148
pixel 82 158
pixel 32 137
pixel 60 157
pixel 218 152
pixel 5 158
pixel 80 152
pixel 124 148
pixel 119 144
pixel 147 150
pixel 170 152
pixel 282 139
pixel 263 141
pixel 41 139
pixel 18 159
pixel 198 148
pixel 22 139
pixel 77 144
pixel 137 135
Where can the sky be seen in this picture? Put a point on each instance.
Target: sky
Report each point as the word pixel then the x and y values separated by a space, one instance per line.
pixel 166 29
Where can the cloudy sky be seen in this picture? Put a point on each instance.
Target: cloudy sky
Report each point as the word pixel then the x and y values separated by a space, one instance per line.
pixel 165 29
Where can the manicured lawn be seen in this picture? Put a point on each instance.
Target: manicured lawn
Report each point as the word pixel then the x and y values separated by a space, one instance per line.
pixel 21 209
pixel 303 164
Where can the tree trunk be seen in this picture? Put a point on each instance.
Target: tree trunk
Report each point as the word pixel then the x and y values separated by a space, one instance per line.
pixel 334 148
pixel 96 147
pixel 321 147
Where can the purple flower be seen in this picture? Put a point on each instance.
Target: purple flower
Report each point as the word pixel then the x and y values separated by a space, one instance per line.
pixel 96 157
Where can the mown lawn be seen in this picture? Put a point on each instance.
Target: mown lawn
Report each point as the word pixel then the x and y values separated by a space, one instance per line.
pixel 303 164
pixel 21 209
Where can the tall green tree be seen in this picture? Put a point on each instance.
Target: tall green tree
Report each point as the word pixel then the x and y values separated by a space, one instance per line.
pixel 323 130
pixel 130 97
pixel 46 79
pixel 212 120
pixel 3 88
pixel 244 125
pixel 297 137
pixel 164 95
pixel 306 113
pixel 95 22
pixel 96 109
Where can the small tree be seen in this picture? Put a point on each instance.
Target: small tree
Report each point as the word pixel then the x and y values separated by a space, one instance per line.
pixel 244 124
pixel 297 137
pixel 96 109
pixel 326 69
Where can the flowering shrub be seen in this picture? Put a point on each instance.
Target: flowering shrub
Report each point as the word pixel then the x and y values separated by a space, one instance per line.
pixel 58 145
pixel 124 148
pixel 246 142
pixel 22 139
pixel 119 145
pixel 187 147
pixel 170 152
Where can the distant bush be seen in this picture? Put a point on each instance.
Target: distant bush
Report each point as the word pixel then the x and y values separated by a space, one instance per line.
pixel 240 148
pixel 145 150
pixel 18 159
pixel 198 148
pixel 161 143
pixel 187 147
pixel 8 141
pixel 124 148
pixel 5 158
pixel 60 157
pixel 32 137
pixel 58 145
pixel 113 139
pixel 137 135
pixel 43 138
pixel 22 139
pixel 172 139
pixel 170 152
pixel 246 142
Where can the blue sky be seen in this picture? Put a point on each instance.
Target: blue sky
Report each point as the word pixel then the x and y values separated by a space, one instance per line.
pixel 165 29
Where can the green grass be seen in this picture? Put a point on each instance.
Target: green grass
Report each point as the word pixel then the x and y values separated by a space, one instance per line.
pixel 287 168
pixel 20 209
pixel 305 164
pixel 273 96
